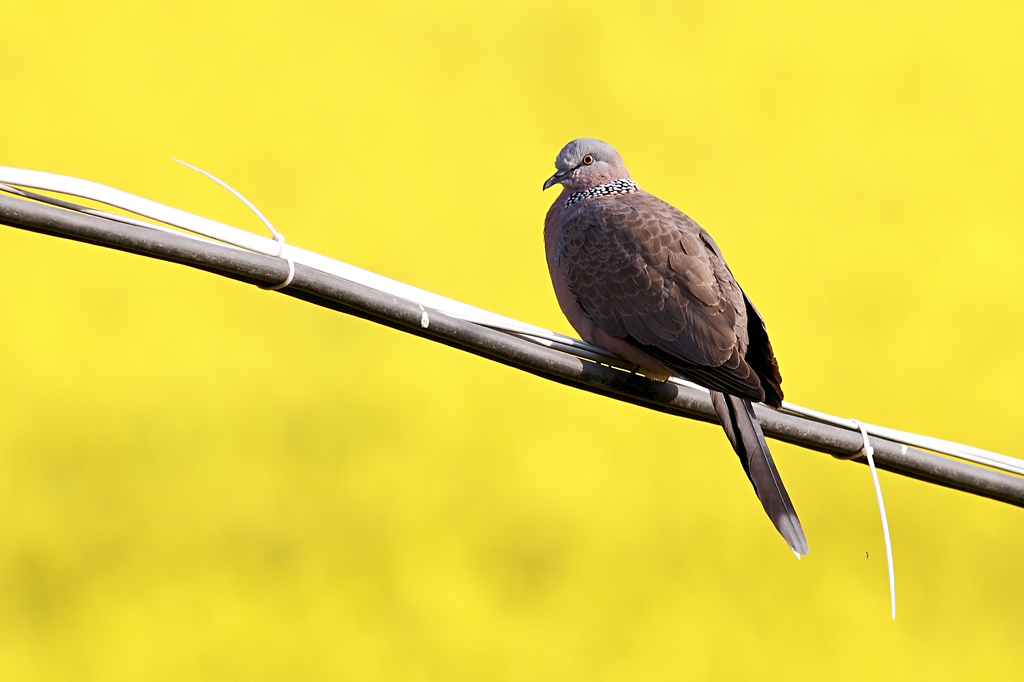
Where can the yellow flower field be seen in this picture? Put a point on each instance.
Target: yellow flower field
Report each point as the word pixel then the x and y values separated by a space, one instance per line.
pixel 200 480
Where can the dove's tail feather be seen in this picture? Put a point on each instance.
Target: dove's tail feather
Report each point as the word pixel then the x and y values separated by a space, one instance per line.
pixel 744 432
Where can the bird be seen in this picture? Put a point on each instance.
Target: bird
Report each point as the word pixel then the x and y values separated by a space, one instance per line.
pixel 639 278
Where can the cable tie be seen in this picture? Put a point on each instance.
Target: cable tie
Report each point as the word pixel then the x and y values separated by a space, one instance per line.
pixel 278 237
pixel 869 453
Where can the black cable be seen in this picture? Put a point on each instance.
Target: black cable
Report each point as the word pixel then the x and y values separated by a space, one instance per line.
pixel 348 297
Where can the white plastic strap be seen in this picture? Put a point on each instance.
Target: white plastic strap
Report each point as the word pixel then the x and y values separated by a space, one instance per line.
pixel 869 453
pixel 278 237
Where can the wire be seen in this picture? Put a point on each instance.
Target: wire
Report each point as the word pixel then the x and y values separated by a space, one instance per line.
pixel 896 451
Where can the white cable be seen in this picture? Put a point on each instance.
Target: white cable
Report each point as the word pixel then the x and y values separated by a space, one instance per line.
pixel 253 242
pixel 457 309
pixel 102 214
pixel 869 453
pixel 967 453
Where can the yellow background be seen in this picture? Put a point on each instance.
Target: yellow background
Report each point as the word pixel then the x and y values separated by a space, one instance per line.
pixel 200 480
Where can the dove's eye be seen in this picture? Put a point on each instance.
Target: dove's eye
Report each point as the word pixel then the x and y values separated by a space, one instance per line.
pixel 588 159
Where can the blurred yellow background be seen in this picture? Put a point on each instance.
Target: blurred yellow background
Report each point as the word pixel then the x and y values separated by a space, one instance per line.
pixel 201 480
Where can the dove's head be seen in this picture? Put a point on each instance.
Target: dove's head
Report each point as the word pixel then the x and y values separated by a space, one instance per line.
pixel 586 163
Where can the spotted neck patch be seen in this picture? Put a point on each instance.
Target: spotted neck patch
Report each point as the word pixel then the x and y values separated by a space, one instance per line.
pixel 622 186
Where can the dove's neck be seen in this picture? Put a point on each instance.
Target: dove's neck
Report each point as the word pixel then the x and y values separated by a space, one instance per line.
pixel 620 186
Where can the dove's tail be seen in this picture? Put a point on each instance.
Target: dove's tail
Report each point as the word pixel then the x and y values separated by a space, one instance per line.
pixel 744 432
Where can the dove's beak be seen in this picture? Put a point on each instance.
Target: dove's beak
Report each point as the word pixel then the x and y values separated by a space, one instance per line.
pixel 559 176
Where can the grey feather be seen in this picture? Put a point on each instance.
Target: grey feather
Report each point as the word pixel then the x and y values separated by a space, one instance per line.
pixel 744 432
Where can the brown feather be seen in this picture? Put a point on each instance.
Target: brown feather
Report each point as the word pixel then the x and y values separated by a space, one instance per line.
pixel 639 277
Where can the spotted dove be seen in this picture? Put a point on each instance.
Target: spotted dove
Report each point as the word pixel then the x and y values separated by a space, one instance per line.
pixel 638 277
